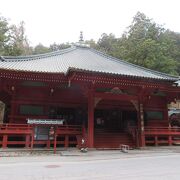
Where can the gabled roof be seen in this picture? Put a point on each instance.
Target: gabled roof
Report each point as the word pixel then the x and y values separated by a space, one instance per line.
pixel 81 59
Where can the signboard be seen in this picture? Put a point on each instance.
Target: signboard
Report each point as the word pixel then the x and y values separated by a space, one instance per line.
pixel 46 121
pixel 43 132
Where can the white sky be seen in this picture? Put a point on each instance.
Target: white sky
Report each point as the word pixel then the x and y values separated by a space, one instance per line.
pixel 59 21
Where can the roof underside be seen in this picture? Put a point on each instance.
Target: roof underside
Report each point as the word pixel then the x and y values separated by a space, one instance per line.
pixel 79 58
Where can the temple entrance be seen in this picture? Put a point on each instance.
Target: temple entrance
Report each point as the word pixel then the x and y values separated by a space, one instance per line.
pixel 112 127
pixel 108 119
pixel 114 120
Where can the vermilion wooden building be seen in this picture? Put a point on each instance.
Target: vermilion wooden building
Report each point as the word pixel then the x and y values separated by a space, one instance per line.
pixel 102 99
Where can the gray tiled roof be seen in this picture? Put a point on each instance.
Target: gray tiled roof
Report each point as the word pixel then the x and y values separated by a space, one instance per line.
pixel 79 58
pixel 178 82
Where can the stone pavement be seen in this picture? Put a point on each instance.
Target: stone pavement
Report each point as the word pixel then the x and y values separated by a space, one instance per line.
pixel 159 163
pixel 93 153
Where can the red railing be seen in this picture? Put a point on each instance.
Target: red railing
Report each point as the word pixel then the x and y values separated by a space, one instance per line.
pixel 162 135
pixel 156 135
pixel 17 130
pixel 162 130
pixel 68 130
pixel 23 134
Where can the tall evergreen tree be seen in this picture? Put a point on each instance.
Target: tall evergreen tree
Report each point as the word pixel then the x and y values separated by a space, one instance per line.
pixel 145 43
pixel 4 35
pixel 19 44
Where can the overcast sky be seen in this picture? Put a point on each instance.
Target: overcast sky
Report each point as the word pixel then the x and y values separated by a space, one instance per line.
pixel 59 21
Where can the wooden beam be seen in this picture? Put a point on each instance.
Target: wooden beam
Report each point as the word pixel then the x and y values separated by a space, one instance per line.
pixel 110 96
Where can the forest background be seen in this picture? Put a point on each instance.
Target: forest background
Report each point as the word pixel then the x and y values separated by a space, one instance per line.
pixel 144 43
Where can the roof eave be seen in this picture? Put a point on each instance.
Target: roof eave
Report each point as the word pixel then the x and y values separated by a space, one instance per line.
pixel 72 69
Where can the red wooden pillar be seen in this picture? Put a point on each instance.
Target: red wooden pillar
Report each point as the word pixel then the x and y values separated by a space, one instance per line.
pixel 5 141
pixel 27 141
pixel 48 144
pixel 156 140
pixel 66 143
pixel 13 105
pixel 32 140
pixel 166 116
pixel 90 119
pixel 55 142
pixel 141 124
pixel 170 141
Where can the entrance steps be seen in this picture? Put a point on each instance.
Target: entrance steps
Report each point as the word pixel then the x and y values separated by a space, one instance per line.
pixel 112 139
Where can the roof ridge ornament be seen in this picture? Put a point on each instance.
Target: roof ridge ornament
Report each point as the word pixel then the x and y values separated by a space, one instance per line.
pixel 81 42
pixel 81 39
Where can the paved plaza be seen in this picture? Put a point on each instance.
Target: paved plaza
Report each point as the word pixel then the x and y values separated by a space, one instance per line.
pixel 160 164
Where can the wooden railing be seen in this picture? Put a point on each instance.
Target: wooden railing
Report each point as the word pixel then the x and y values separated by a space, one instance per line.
pixel 23 131
pixel 156 135
pixel 67 131
pixel 23 134
pixel 162 135
pixel 162 130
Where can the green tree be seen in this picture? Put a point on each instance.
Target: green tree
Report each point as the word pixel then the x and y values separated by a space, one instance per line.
pixel 91 43
pixel 18 43
pixel 107 43
pixel 4 35
pixel 41 49
pixel 175 49
pixel 146 44
pixel 56 47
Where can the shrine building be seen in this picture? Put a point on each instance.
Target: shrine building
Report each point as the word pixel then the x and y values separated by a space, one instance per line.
pixel 80 92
